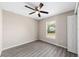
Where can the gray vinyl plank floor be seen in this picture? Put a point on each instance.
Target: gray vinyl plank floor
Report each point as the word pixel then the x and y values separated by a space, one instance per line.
pixel 37 49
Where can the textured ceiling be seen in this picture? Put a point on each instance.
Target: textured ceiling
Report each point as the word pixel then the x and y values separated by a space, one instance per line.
pixel 53 8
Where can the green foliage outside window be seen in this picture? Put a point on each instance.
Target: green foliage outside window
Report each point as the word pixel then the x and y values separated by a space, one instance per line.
pixel 53 28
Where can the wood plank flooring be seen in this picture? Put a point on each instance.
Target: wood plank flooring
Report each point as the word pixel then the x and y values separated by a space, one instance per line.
pixel 37 49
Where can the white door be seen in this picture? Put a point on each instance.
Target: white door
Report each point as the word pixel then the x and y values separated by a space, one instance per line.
pixel 78 28
pixel 0 31
pixel 72 33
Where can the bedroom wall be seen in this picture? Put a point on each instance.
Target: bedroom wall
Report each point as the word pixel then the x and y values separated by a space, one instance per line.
pixel 20 29
pixel 61 29
pixel 17 30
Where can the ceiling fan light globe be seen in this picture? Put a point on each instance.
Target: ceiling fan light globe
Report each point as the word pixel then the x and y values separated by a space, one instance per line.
pixel 37 12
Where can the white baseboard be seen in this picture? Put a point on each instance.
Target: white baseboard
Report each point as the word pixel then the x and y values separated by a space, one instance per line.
pixel 17 45
pixel 54 43
pixel 30 42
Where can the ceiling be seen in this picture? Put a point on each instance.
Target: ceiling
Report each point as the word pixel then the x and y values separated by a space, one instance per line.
pixel 53 8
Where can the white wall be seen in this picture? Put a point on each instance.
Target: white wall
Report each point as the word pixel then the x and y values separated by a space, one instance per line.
pixel 61 29
pixel 0 31
pixel 18 30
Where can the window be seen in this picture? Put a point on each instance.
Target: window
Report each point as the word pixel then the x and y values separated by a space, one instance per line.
pixel 51 29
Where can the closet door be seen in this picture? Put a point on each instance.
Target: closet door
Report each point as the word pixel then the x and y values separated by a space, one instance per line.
pixel 0 31
pixel 78 28
pixel 72 33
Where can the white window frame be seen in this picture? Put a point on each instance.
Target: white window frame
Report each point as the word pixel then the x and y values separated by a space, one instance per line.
pixel 47 36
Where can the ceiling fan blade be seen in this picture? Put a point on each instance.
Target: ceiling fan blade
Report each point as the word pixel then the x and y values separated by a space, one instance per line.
pixel 31 13
pixel 44 12
pixel 39 15
pixel 29 7
pixel 41 5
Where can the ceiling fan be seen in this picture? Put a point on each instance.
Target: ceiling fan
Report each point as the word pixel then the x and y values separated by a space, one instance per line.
pixel 37 10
